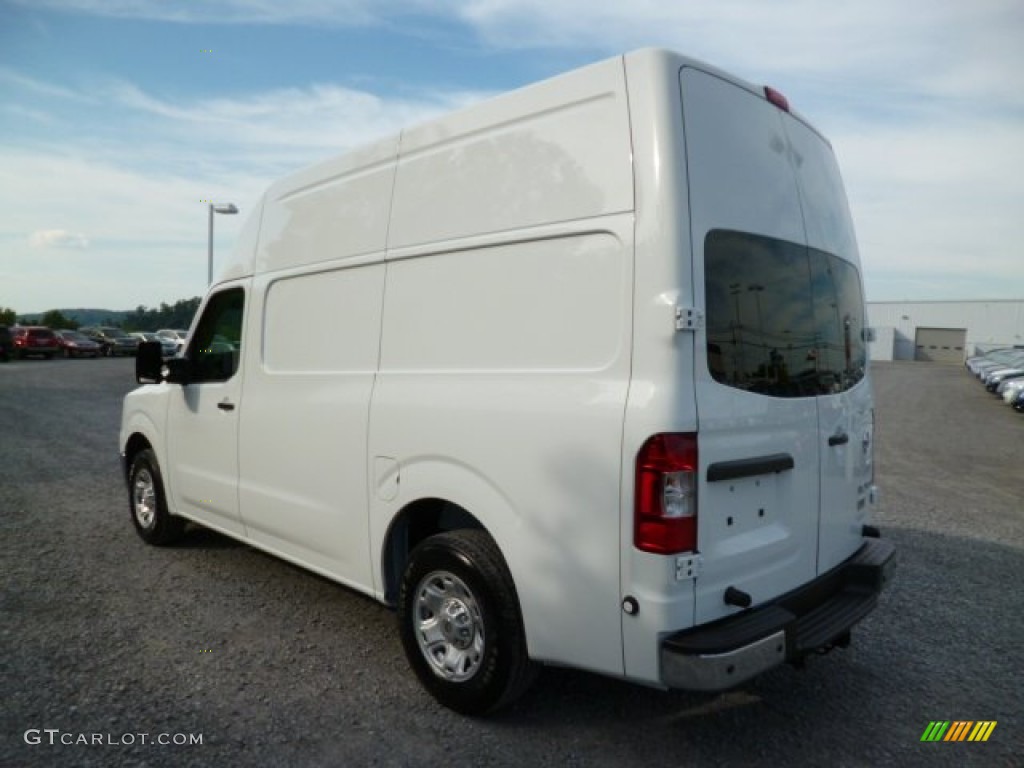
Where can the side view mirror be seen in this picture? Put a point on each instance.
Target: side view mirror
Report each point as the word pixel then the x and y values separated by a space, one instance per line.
pixel 149 363
pixel 151 368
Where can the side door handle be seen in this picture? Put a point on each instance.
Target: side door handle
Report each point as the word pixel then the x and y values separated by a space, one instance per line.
pixel 226 405
pixel 839 438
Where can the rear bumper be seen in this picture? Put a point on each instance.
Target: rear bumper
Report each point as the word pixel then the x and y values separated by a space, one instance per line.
pixel 817 615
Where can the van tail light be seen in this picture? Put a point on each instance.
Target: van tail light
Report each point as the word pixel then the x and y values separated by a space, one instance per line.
pixel 665 509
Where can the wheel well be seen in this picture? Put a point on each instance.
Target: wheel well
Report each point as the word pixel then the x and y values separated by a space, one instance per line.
pixel 416 522
pixel 135 444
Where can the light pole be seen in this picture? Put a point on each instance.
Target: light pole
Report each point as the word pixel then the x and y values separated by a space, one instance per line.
pixel 229 208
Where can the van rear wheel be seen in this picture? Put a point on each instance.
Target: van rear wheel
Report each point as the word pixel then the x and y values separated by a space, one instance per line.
pixel 149 505
pixel 460 623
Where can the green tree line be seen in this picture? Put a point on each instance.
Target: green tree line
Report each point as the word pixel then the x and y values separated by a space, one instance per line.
pixel 177 315
pixel 142 318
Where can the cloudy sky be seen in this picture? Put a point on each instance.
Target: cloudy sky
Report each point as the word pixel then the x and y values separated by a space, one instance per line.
pixel 119 118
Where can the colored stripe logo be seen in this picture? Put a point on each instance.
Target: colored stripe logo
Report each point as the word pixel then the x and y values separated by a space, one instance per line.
pixel 958 730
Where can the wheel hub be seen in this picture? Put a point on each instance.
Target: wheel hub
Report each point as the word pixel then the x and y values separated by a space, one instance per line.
pixel 457 624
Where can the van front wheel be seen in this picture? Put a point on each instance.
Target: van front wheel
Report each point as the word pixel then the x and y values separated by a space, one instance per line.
pixel 148 504
pixel 460 623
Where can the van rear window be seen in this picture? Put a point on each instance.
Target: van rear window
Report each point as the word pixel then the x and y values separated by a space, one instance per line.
pixel 783 319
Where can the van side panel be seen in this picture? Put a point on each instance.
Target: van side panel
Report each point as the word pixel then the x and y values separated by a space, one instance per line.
pixel 556 151
pixel 501 390
pixel 314 345
pixel 505 348
pixel 335 210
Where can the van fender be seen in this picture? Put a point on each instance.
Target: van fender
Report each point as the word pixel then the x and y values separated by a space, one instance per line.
pixel 426 482
pixel 138 424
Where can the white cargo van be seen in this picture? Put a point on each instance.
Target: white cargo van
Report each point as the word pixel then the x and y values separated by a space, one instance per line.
pixel 575 376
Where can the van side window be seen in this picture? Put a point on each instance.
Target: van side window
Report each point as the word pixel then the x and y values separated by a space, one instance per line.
pixel 782 319
pixel 217 342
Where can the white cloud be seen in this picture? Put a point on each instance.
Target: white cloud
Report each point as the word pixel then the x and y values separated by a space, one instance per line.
pixel 339 12
pixel 39 87
pixel 57 238
pixel 943 47
pixel 919 97
pixel 136 185
pixel 938 199
pixel 318 118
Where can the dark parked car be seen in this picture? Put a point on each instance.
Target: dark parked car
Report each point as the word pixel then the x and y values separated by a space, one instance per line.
pixel 34 340
pixel 6 344
pixel 75 344
pixel 113 340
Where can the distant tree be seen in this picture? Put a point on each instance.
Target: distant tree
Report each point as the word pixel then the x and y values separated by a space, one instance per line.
pixel 56 319
pixel 8 316
pixel 178 315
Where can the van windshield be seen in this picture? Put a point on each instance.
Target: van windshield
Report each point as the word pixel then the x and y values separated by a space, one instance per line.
pixel 783 319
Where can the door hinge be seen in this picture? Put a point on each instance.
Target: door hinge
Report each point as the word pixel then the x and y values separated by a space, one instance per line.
pixel 689 319
pixel 688 567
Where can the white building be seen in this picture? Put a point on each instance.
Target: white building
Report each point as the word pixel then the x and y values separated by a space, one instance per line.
pixel 943 331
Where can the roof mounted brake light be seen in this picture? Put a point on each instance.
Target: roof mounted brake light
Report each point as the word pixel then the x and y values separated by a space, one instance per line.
pixel 776 98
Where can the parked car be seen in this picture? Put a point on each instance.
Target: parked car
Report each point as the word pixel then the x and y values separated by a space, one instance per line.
pixel 995 373
pixel 6 344
pixel 995 380
pixel 996 360
pixel 168 348
pixel 34 340
pixel 114 341
pixel 1018 404
pixel 1010 388
pixel 177 336
pixel 974 360
pixel 75 344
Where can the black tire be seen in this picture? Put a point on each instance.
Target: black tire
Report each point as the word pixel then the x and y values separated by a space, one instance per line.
pixel 148 504
pixel 478 661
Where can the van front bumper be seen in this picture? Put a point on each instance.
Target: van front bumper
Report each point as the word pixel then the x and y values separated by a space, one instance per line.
pixel 816 616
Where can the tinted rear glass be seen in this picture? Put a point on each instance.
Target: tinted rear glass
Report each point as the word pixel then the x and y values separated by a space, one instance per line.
pixel 782 319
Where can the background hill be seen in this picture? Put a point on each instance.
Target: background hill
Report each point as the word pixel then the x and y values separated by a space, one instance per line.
pixel 82 316
pixel 177 315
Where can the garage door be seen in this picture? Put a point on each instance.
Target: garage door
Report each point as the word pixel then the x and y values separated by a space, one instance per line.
pixel 940 345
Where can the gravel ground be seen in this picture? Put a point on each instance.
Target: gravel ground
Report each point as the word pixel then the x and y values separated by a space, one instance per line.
pixel 104 637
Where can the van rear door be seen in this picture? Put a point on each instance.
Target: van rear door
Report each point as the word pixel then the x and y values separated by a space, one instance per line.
pixel 771 371
pixel 845 416
pixel 758 486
